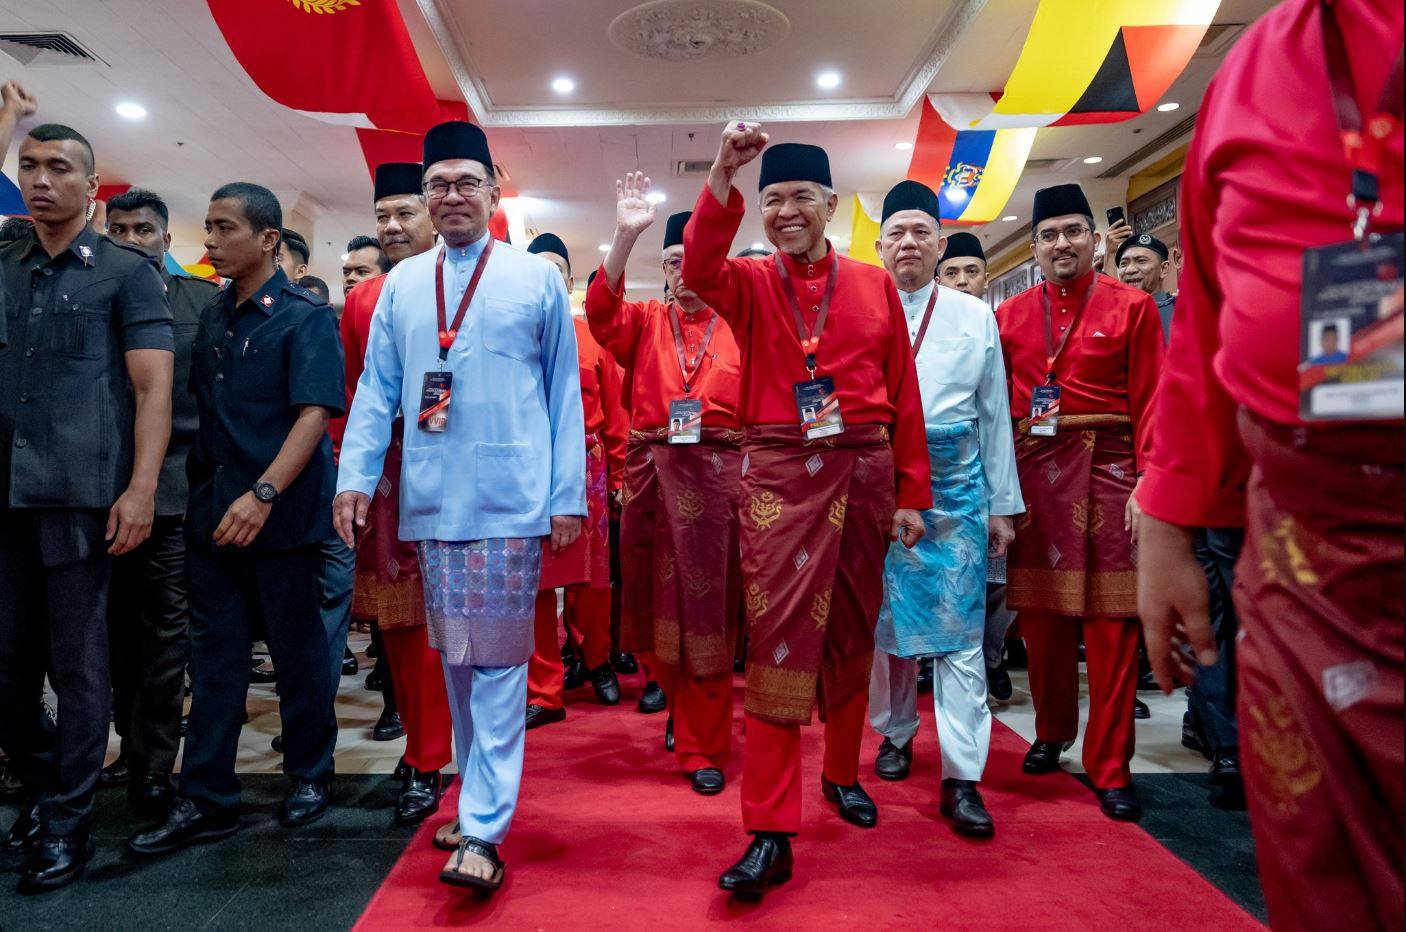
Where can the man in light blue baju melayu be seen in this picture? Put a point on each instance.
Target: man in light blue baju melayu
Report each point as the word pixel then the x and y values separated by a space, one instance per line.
pixel 935 593
pixel 474 342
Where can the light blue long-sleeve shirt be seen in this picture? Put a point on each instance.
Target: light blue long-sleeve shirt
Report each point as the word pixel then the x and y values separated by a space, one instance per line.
pixel 513 454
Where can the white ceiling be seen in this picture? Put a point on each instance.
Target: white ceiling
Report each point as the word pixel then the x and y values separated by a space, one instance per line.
pixel 209 124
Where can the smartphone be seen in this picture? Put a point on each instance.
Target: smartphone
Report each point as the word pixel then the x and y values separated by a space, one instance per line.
pixel 1116 216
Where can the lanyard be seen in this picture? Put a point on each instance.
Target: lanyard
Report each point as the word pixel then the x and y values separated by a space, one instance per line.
pixel 927 319
pixel 690 367
pixel 447 332
pixel 1363 144
pixel 809 337
pixel 1051 351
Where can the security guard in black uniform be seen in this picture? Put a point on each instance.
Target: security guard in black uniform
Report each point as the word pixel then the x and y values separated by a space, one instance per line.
pixel 147 616
pixel 267 373
pixel 85 413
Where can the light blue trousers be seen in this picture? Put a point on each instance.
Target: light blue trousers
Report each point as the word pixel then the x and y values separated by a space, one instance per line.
pixel 490 726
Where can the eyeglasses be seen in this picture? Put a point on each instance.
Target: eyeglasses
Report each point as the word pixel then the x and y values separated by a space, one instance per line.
pixel 674 264
pixel 1075 233
pixel 467 187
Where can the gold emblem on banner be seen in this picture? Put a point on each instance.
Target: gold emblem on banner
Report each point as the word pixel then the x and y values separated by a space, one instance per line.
pixel 820 609
pixel 837 512
pixel 765 508
pixel 1288 766
pixel 690 505
pixel 324 6
pixel 756 601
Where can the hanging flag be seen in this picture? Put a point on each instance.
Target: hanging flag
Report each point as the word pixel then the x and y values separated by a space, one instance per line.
pixel 973 171
pixel 349 62
pixel 11 200
pixel 864 233
pixel 1089 61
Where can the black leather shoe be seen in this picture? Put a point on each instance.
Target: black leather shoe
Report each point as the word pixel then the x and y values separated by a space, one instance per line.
pixel 669 734
pixel 574 672
pixel 768 862
pixel 652 699
pixel 537 716
pixel 305 803
pixel 277 744
pixel 893 761
pixel 925 672
pixel 998 683
pixel 376 679
pixel 1227 783
pixel 1140 710
pixel 349 665
pixel 854 804
pixel 962 803
pixel 150 795
pixel 1146 682
pixel 262 674
pixel 624 663
pixel 115 774
pixel 55 861
pixel 419 796
pixel 1043 756
pixel 1120 803
pixel 1192 737
pixel 708 781
pixel 401 769
pixel 388 726
pixel 24 831
pixel 185 825
pixel 606 685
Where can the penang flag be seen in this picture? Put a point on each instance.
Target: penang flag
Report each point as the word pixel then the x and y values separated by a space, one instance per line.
pixel 349 62
pixel 972 171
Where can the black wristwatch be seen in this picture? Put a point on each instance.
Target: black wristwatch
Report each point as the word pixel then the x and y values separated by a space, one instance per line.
pixel 265 492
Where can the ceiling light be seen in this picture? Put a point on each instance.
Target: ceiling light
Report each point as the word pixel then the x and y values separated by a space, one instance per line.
pixel 1093 160
pixel 827 80
pixel 757 246
pixel 563 85
pixel 604 247
pixel 346 256
pixel 903 146
pixel 131 111
pixel 1008 218
pixel 1168 107
pixel 655 197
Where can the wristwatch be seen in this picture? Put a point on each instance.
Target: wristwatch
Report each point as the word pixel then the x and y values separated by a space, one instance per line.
pixel 265 492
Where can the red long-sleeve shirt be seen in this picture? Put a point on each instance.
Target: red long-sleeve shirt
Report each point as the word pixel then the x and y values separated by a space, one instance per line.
pixel 356 328
pixel 864 347
pixel 1110 361
pixel 601 387
pixel 641 338
pixel 1265 178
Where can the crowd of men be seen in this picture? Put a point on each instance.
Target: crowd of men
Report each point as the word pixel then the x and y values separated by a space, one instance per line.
pixel 849 471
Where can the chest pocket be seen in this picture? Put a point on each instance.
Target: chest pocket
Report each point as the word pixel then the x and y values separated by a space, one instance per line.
pixel 510 329
pixel 261 368
pixel 79 331
pixel 954 361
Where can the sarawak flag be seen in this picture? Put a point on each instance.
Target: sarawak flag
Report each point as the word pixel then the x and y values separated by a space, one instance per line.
pixel 349 62
pixel 973 172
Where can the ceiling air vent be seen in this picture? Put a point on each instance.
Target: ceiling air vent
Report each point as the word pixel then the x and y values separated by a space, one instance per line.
pixel 46 49
pixel 692 167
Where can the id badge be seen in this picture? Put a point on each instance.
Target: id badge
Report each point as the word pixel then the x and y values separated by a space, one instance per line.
pixel 1044 411
pixel 819 408
pixel 1350 331
pixel 685 420
pixel 434 402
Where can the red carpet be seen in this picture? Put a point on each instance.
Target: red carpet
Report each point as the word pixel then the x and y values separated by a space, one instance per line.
pixel 609 836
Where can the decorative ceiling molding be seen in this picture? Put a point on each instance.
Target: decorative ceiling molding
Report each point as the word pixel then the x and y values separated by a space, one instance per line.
pixel 946 34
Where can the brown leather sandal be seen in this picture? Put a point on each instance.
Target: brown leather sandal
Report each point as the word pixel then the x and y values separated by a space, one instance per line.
pixel 470 845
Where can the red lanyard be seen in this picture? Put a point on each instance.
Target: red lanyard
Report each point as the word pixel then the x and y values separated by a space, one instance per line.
pixel 1051 351
pixel 690 367
pixel 927 318
pixel 809 337
pixel 447 332
pixel 1363 144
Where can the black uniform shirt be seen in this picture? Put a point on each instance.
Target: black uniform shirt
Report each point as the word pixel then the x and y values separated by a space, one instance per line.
pixel 252 368
pixel 66 401
pixel 188 298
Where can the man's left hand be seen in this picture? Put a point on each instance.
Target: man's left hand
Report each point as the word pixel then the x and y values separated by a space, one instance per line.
pixel 129 521
pixel 242 523
pixel 907 527
pixel 1000 535
pixel 565 530
pixel 1132 514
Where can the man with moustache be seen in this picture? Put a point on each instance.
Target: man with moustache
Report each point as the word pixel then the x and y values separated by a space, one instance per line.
pixel 85 414
pixel 935 592
pixel 476 344
pixel 834 466
pixel 1144 262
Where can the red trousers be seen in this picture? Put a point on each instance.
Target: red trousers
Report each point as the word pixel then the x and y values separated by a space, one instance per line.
pixel 418 676
pixel 702 711
pixel 771 774
pixel 587 617
pixel 1110 649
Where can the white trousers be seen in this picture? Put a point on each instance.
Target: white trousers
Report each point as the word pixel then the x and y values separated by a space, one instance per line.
pixel 490 729
pixel 959 698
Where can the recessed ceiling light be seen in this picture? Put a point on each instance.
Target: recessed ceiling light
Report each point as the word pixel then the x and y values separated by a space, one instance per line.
pixel 903 146
pixel 131 111
pixel 655 197
pixel 563 85
pixel 757 246
pixel 604 247
pixel 827 80
pixel 1093 160
pixel 1168 107
pixel 346 256
pixel 1008 218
